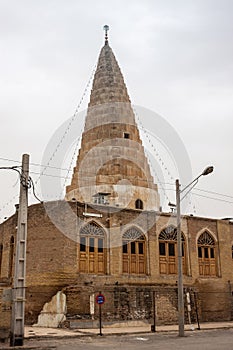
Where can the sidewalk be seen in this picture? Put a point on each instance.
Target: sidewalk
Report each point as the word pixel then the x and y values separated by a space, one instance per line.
pixel 40 332
pixel 42 335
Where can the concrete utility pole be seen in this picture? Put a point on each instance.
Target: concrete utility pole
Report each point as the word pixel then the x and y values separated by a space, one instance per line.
pixel 180 266
pixel 18 293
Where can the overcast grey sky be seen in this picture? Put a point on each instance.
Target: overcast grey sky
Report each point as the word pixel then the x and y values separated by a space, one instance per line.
pixel 176 58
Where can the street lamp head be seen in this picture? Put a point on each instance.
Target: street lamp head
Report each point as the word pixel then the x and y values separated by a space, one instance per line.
pixel 208 170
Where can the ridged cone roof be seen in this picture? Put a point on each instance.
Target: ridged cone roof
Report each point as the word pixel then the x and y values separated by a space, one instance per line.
pixel 108 84
pixel 111 158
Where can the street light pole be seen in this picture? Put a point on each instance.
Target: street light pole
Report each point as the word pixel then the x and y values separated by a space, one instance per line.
pixel 180 265
pixel 207 171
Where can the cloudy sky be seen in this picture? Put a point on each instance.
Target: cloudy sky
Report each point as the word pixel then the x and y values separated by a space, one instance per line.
pixel 176 58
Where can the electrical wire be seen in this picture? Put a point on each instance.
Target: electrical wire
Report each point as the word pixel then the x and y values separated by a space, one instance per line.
pixel 217 199
pixel 146 133
pixel 70 166
pixel 211 192
pixel 15 168
pixel 70 122
pixel 68 169
pixel 50 175
pixel 33 190
pixel 24 182
pixel 33 164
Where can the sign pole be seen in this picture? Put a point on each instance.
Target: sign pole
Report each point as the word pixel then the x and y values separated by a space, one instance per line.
pixel 100 299
pixel 100 319
pixel 195 299
pixel 153 327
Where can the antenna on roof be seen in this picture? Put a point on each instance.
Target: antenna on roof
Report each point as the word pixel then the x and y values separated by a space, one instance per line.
pixel 106 29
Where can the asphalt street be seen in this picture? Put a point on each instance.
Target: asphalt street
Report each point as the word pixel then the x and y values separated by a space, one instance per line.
pixel 205 340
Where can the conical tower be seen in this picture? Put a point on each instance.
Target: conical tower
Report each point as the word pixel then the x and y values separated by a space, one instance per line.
pixel 111 167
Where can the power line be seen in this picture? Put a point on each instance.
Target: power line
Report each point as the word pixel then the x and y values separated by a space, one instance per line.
pixel 71 163
pixel 70 123
pixel 202 190
pixel 146 133
pixel 68 169
pixel 10 160
pixel 50 175
pixel 166 170
pixel 217 199
pixel 9 202
pixel 34 164
pixel 23 182
pixel 199 195
pixel 33 189
pixel 15 168
pixel 211 192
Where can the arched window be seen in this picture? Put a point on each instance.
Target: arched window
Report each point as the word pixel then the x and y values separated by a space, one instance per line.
pixel 168 253
pixel 206 255
pixel 11 257
pixel 139 204
pixel 133 252
pixel 92 251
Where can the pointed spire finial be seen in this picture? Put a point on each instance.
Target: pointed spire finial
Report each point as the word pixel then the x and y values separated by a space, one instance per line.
pixel 106 29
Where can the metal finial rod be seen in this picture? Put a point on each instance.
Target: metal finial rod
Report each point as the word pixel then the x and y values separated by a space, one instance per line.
pixel 106 29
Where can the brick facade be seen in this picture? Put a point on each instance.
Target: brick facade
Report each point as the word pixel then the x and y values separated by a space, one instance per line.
pixel 53 264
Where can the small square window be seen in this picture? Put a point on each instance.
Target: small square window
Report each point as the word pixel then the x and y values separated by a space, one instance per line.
pixel 126 135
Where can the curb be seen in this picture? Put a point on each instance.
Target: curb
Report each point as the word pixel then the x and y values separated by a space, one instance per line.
pixel 81 334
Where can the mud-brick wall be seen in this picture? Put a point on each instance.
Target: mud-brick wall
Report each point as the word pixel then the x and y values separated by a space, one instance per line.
pixel 215 300
pixel 5 313
pixel 136 303
pixel 166 305
pixel 36 297
pixel 78 301
pixel 130 303
pixel 124 303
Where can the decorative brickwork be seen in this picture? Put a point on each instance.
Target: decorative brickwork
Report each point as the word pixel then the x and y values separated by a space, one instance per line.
pixel 111 160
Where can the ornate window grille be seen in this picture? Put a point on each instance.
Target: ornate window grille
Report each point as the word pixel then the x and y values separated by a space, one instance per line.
pixel 133 234
pixel 92 252
pixel 206 239
pixel 206 255
pixel 168 254
pixel 133 252
pixel 91 229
